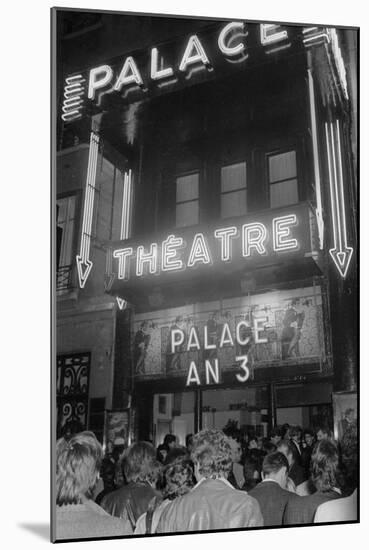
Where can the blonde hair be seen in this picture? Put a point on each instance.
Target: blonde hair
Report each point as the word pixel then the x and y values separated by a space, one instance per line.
pixel 78 463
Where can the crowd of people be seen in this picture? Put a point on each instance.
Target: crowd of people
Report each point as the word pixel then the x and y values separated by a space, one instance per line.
pixel 219 480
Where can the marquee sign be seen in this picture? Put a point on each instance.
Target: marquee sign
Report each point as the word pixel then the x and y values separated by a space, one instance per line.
pixel 164 66
pixel 200 342
pixel 266 237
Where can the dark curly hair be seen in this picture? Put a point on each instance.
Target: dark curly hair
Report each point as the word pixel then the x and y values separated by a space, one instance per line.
pixel 212 452
pixel 324 465
pixel 179 478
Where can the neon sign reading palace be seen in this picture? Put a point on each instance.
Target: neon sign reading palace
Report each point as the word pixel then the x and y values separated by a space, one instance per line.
pixel 174 253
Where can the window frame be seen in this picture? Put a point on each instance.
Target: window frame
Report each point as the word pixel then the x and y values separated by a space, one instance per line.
pixel 237 160
pixel 183 175
pixel 274 153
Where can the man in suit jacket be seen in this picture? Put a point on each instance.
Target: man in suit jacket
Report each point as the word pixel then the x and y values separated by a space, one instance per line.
pixel 271 493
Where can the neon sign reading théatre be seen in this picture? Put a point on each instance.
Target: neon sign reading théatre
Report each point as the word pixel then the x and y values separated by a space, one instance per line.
pixel 175 253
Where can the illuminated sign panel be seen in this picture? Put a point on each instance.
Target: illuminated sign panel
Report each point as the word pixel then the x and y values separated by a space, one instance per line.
pixel 266 237
pixel 204 54
pixel 200 342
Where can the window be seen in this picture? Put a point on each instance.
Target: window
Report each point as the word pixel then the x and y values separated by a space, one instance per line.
pixel 233 190
pixel 282 179
pixel 66 208
pixel 187 200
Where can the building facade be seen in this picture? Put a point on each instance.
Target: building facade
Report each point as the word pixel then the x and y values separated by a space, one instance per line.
pixel 206 194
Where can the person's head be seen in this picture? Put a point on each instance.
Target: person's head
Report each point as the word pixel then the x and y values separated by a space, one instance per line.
pixel 170 441
pixel 211 454
pixel 350 414
pixel 179 478
pixel 175 453
pixel 323 433
pixel 295 433
pixel 275 435
pixel 107 474
pixel 78 462
pixel 275 466
pixel 140 464
pixel 269 447
pixel 189 439
pixel 324 465
pixel 71 428
pixel 309 437
pixel 285 431
pixel 109 447
pixel 253 443
pixel 118 451
pixel 161 453
pixel 236 449
pixel 260 442
pixel 250 468
pixel 289 450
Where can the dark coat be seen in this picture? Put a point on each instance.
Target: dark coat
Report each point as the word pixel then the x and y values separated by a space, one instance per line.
pixel 272 500
pixel 301 510
pixel 297 474
pixel 130 501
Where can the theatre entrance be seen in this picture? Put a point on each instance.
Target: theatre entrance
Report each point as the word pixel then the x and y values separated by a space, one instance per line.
pixel 253 409
pixel 187 412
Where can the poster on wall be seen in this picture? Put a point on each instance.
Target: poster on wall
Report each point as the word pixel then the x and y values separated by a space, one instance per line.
pixel 116 428
pixel 203 202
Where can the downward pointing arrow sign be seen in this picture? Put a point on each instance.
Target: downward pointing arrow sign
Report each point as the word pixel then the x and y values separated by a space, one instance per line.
pixel 84 264
pixel 342 259
pixel 341 253
pixel 83 267
pixel 122 304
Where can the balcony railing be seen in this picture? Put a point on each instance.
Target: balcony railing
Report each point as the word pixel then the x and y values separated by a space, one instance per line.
pixel 64 279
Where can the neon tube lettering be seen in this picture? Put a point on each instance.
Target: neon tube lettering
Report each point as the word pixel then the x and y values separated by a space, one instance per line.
pixel 258 328
pixel 193 340
pixel 192 375
pixel 150 258
pixel 243 366
pixel 156 73
pixel 213 372
pixel 234 50
pixel 253 236
pixel 128 75
pixel 199 251
pixel 190 58
pixel 169 252
pixel 225 234
pixel 174 342
pixel 238 335
pixel 122 254
pixel 268 37
pixel 226 337
pixel 206 342
pixel 96 83
pixel 281 232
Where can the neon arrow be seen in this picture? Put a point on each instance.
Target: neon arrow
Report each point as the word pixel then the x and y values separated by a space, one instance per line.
pixel 341 253
pixel 122 304
pixel 109 275
pixel 84 264
pixel 318 193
